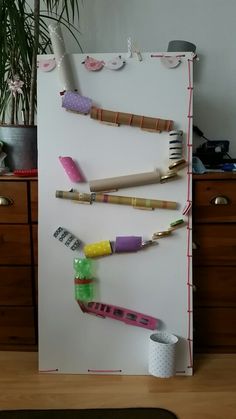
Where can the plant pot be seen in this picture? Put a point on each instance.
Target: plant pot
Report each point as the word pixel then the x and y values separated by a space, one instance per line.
pixel 20 145
pixel 181 46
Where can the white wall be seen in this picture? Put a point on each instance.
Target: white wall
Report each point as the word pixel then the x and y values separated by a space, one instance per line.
pixel 210 24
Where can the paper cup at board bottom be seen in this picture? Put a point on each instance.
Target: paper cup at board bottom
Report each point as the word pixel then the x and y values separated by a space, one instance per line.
pixel 162 353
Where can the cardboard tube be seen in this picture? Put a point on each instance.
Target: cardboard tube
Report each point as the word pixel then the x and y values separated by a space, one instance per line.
pixel 121 118
pixel 71 169
pixel 62 59
pixel 141 203
pixel 128 244
pixel 135 202
pixel 94 250
pixel 74 102
pixel 115 183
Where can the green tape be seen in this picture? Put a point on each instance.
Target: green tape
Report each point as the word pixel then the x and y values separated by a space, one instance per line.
pixel 177 222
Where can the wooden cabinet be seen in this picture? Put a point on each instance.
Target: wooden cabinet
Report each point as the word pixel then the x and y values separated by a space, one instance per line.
pixel 18 263
pixel 214 262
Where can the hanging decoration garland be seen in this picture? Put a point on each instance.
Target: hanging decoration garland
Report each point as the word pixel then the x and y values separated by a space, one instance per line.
pixel 92 64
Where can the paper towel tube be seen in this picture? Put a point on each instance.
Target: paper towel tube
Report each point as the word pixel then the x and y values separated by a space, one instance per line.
pixel 62 59
pixel 127 181
pixel 122 118
pixel 162 348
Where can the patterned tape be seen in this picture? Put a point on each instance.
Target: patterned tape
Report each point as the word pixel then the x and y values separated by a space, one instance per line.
pixel 68 239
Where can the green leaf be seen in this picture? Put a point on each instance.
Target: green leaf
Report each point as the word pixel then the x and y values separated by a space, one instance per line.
pixel 20 44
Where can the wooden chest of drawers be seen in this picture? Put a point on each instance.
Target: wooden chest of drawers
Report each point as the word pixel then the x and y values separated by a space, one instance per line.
pixel 18 250
pixel 214 262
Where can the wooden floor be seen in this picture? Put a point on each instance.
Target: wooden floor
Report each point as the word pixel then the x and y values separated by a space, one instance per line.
pixel 209 394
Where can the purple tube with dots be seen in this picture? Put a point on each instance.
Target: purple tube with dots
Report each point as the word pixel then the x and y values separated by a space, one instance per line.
pixel 74 102
pixel 127 244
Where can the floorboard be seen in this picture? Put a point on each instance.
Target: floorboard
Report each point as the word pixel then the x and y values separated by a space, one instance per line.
pixel 209 394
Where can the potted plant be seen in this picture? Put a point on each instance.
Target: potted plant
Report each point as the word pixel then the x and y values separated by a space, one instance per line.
pixel 23 35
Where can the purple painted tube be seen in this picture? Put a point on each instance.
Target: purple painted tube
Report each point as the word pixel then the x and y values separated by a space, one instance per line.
pixel 72 101
pixel 127 244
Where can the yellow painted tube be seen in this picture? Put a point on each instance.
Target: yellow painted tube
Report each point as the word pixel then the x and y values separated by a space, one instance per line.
pixel 95 250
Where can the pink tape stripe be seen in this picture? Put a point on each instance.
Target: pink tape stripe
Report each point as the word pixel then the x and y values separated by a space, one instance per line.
pixel 186 212
pixel 104 371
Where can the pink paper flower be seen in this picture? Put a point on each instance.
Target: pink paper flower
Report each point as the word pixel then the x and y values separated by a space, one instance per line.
pixel 15 85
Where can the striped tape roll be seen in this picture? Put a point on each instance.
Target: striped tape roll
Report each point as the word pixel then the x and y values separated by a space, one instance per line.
pixel 175 145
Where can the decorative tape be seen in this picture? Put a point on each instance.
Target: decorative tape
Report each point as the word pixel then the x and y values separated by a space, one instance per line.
pixel 68 239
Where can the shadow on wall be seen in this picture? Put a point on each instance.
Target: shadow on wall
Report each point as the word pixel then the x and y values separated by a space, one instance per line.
pixel 220 118
pixel 214 115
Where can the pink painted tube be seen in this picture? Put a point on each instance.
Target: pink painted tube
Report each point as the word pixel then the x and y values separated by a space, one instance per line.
pixel 71 169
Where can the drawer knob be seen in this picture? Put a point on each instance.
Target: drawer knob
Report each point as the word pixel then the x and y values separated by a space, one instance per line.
pixel 5 201
pixel 220 200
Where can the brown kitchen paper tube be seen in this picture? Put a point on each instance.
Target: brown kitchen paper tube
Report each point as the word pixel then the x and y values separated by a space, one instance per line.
pixel 121 118
pixel 119 182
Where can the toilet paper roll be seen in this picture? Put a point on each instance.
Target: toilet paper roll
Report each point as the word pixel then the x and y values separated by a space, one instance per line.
pixel 74 102
pixel 95 250
pixel 62 58
pixel 162 354
pixel 128 244
pixel 71 169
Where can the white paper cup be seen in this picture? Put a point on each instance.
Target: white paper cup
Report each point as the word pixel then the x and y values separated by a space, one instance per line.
pixel 162 348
